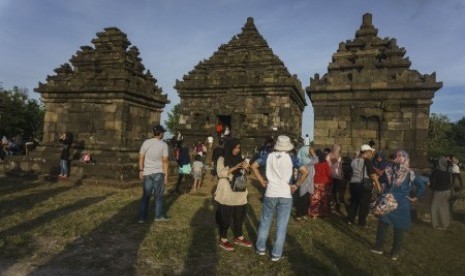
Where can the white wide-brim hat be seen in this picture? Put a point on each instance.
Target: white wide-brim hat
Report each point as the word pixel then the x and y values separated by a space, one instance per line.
pixel 366 148
pixel 283 143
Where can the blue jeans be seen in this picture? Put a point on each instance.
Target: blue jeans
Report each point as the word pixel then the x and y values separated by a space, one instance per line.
pixel 381 236
pixel 64 167
pixel 282 206
pixel 152 183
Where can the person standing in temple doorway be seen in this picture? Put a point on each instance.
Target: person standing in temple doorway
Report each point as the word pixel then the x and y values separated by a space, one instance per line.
pixel 219 130
pixel 210 140
pixel 153 170
pixel 306 140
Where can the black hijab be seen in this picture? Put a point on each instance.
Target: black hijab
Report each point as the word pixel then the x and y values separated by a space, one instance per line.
pixel 231 160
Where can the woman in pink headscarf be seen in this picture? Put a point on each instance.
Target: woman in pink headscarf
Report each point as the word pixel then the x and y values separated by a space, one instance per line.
pixel 400 179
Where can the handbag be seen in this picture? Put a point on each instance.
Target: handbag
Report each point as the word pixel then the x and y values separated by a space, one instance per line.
pixel 384 204
pixel 185 169
pixel 239 183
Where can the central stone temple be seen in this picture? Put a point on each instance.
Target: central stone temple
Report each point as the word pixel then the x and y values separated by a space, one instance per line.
pixel 105 99
pixel 244 86
pixel 370 92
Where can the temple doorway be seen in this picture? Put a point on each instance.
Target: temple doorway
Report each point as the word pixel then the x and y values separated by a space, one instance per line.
pixel 225 121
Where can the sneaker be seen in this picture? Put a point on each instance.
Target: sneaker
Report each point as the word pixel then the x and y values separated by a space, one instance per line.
pixel 275 259
pixel 379 252
pixel 226 245
pixel 140 221
pixel 260 253
pixel 394 257
pixel 243 242
pixel 162 219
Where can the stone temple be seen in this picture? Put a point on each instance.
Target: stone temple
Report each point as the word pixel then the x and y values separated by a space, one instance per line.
pixel 105 98
pixel 370 92
pixel 244 86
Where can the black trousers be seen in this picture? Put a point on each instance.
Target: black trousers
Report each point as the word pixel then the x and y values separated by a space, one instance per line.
pixel 187 181
pixel 339 187
pixel 359 203
pixel 381 237
pixel 227 215
pixel 302 205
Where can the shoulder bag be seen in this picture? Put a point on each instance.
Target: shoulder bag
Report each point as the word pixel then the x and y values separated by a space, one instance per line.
pixel 384 204
pixel 239 183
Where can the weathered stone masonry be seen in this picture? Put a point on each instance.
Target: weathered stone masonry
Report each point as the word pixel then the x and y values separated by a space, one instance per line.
pixel 245 82
pixel 105 99
pixel 370 92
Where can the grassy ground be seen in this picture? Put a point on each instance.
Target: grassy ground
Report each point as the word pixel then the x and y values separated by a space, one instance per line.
pixel 59 228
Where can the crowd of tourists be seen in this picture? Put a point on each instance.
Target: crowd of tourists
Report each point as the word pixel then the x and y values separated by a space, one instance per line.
pixel 312 180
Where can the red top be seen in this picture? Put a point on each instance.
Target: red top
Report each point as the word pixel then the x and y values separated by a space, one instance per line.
pixel 219 128
pixel 322 173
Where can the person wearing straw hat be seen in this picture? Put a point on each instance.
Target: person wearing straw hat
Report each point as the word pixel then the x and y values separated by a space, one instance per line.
pixel 278 196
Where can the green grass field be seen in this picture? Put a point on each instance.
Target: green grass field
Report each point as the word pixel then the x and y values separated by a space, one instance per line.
pixel 59 228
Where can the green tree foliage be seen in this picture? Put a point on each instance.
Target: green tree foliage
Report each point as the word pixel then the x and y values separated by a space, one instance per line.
pixel 172 122
pixel 21 115
pixel 446 138
pixel 458 132
pixel 439 134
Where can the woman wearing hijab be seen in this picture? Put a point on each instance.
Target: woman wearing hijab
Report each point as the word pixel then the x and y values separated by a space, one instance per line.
pixel 399 182
pixel 335 162
pixel 231 204
pixel 441 185
pixel 308 158
pixel 184 167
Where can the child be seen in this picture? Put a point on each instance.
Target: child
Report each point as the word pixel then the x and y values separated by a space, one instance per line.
pixel 198 172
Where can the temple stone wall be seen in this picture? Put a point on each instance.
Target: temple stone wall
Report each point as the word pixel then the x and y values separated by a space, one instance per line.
pixel 370 93
pixel 105 98
pixel 246 82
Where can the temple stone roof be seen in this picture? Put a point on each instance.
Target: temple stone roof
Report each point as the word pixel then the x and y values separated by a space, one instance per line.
pixel 109 67
pixel 371 62
pixel 246 61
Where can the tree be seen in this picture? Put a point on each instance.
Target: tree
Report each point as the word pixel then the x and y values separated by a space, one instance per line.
pixel 458 132
pixel 440 130
pixel 172 122
pixel 21 115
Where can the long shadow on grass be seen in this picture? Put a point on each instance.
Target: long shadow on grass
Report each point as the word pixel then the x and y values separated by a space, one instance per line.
pixel 111 248
pixel 28 201
pixel 343 263
pixel 50 216
pixel 202 258
pixel 251 223
pixel 354 232
pixel 13 185
pixel 302 263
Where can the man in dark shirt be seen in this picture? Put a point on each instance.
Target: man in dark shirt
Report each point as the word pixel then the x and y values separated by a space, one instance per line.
pixel 370 179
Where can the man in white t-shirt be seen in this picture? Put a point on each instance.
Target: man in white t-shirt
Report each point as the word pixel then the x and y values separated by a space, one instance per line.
pixel 153 170
pixel 280 166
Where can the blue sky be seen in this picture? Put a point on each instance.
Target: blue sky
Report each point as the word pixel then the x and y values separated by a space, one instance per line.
pixel 174 35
